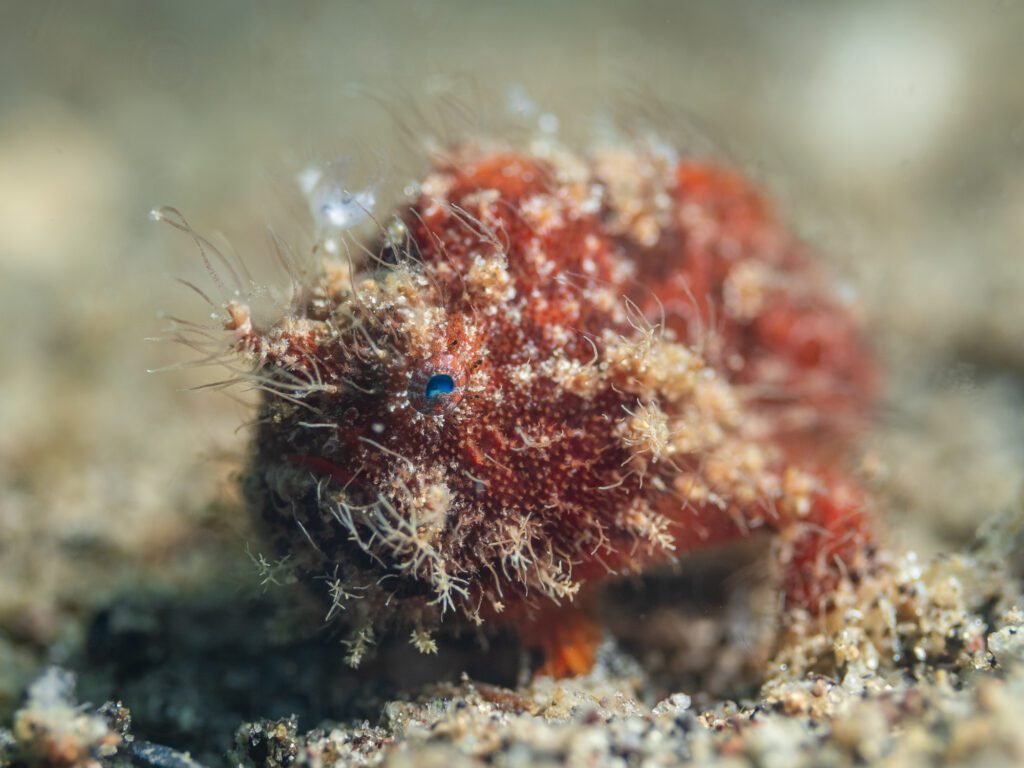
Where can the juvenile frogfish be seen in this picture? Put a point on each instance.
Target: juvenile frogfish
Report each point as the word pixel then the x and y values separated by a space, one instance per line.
pixel 550 370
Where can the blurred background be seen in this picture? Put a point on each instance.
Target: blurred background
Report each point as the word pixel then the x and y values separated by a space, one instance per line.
pixel 892 135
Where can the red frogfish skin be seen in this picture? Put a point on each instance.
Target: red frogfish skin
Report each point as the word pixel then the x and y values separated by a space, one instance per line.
pixel 552 370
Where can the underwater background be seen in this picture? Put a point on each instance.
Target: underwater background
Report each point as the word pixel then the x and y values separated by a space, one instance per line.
pixel 890 133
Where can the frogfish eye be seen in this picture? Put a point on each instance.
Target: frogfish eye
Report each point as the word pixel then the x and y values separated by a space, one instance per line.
pixel 434 391
pixel 439 384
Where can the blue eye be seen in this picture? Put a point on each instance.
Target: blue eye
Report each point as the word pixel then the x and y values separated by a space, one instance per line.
pixel 439 384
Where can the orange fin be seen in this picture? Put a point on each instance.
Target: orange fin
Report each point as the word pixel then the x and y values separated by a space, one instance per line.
pixel 569 640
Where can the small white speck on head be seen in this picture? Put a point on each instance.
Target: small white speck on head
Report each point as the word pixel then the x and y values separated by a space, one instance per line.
pixel 548 123
pixel 518 102
pixel 377 428
pixel 332 201
pixel 846 292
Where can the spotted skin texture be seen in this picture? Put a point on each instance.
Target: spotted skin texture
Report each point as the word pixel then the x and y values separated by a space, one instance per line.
pixel 641 363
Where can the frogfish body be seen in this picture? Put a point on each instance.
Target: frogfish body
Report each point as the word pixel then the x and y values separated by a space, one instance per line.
pixel 551 370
